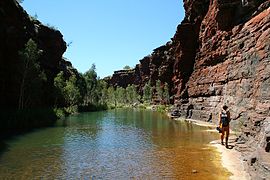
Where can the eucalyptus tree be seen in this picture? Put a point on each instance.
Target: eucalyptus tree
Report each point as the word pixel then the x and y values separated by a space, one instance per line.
pixel 32 77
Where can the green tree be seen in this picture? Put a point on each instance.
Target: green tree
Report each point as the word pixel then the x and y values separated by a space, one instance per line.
pixel 71 91
pixel 104 92
pixel 59 84
pixel 120 94
pixel 91 83
pixel 81 84
pixel 67 89
pixel 147 92
pixel 166 94
pixel 159 90
pixel 131 94
pixel 32 77
pixel 127 67
pixel 111 96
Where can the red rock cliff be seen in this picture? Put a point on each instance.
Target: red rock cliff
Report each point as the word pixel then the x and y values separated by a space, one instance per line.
pixel 219 55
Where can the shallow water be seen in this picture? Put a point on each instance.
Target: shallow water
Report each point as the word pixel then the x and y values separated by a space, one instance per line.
pixel 117 144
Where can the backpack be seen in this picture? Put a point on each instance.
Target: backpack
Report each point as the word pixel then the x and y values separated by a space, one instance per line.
pixel 224 119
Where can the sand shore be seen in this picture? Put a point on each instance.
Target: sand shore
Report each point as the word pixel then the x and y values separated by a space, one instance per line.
pixel 230 158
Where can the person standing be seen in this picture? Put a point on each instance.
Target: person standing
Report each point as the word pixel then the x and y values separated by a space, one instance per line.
pixel 224 123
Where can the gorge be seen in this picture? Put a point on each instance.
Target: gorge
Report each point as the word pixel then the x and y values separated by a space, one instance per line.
pixel 219 55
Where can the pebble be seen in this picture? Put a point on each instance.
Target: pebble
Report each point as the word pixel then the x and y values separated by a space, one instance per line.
pixel 194 171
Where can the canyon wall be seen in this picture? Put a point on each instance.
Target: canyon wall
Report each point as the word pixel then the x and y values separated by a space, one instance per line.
pixel 16 28
pixel 220 55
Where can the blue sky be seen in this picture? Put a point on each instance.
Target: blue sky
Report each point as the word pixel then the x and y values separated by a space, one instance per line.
pixel 109 33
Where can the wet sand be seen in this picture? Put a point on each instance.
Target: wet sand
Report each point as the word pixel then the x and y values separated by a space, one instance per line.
pixel 230 158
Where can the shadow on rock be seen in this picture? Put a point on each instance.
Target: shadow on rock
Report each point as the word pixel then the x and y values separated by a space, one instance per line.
pixel 230 147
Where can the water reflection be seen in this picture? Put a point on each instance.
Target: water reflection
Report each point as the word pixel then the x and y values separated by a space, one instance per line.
pixel 117 144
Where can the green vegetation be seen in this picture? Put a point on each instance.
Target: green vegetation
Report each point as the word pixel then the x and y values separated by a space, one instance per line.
pixel 67 90
pixel 31 75
pixel 41 97
pixel 159 90
pixel 75 92
pixel 166 94
pixel 123 97
pixel 126 67
pixel 29 105
pixel 147 92
pixel 117 97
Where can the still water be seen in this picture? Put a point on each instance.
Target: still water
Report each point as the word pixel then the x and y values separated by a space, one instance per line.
pixel 117 144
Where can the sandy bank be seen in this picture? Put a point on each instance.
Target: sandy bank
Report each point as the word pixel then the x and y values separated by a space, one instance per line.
pixel 230 158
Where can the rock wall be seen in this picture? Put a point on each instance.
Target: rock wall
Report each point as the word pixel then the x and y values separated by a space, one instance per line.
pixel 16 28
pixel 122 78
pixel 220 55
pixel 232 67
pixel 39 98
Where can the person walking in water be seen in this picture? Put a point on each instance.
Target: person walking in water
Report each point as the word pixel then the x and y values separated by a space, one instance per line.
pixel 224 123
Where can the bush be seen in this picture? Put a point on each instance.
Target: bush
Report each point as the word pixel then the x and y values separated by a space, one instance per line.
pixel 142 106
pixel 161 108
pixel 60 113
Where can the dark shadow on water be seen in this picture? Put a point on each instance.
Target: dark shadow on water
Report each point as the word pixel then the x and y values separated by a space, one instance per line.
pixel 3 147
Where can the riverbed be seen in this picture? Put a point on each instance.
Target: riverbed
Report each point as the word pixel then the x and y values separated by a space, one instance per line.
pixel 115 144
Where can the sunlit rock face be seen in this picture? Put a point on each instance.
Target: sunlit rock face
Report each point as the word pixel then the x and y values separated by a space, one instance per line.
pixel 220 55
pixel 232 67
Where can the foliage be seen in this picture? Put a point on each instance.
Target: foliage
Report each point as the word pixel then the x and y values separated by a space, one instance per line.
pixel 166 94
pixel 161 108
pixel 111 96
pixel 91 84
pixel 32 77
pixel 147 92
pixel 59 84
pixel 104 92
pixel 132 95
pixel 67 90
pixel 159 90
pixel 120 95
pixel 126 67
pixel 71 91
pixel 59 112
pixel 95 94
